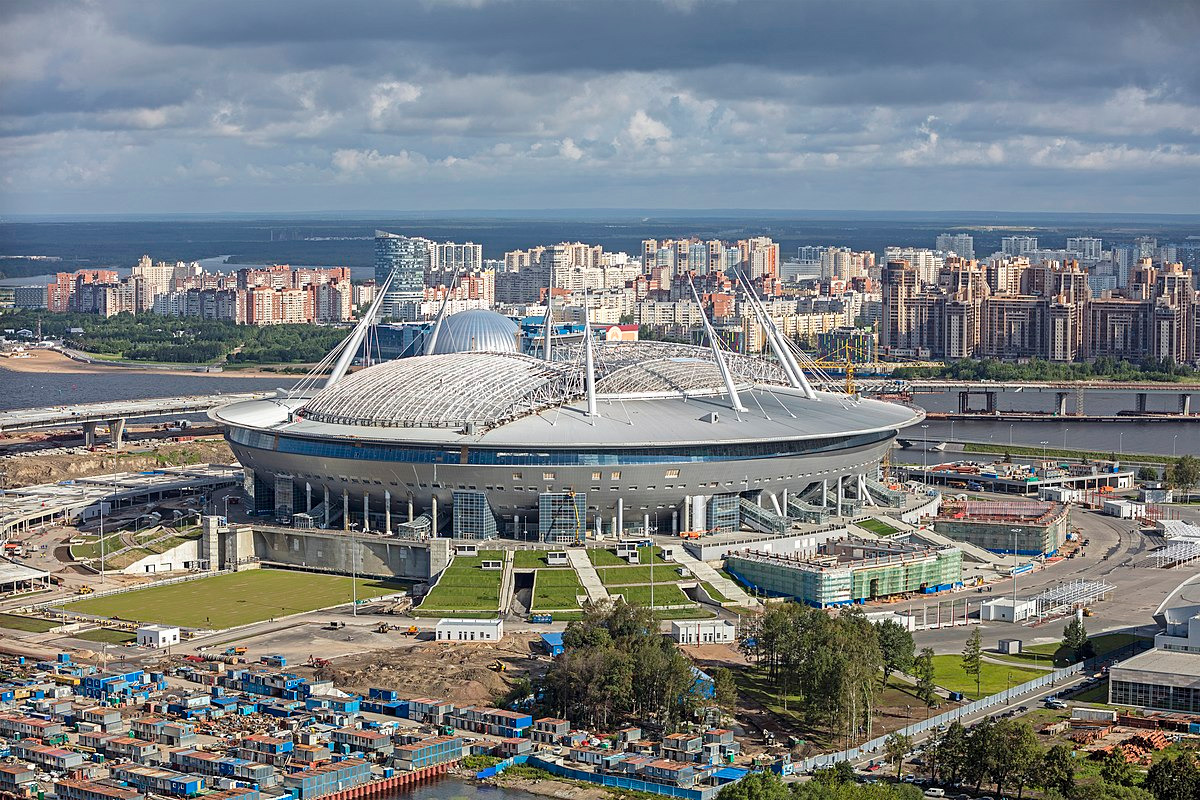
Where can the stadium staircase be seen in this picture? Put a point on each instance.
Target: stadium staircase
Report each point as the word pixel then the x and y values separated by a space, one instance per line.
pixel 891 498
pixel 706 573
pixel 807 513
pixel 761 519
pixel 507 582
pixel 587 574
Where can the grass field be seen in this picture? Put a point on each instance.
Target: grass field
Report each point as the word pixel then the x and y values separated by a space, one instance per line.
pixel 466 587
pixel 1104 644
pixel 16 623
pixel 877 527
pixel 555 588
pixel 226 601
pixel 602 557
pixel 713 592
pixel 530 559
pixel 105 636
pixel 666 594
pixel 623 576
pixel 948 673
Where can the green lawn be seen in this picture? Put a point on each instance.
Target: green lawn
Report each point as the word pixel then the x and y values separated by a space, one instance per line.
pixel 465 588
pixel 877 527
pixel 623 576
pixel 666 594
pixel 530 559
pixel 684 613
pixel 226 601
pixel 106 635
pixel 91 546
pixel 16 623
pixel 948 673
pixel 555 588
pixel 713 592
pixel 1104 644
pixel 603 557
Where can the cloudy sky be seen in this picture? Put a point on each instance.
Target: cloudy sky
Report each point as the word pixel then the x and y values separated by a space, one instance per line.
pixel 239 105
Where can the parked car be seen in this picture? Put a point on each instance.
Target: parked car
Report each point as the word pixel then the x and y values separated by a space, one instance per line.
pixel 935 791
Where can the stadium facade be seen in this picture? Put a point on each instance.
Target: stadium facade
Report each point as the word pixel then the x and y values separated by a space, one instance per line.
pixel 611 437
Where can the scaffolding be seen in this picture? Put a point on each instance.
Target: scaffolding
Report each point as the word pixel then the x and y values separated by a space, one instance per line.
pixel 1176 553
pixel 1067 597
pixel 723 516
pixel 562 517
pixel 473 517
pixel 893 498
pixel 761 519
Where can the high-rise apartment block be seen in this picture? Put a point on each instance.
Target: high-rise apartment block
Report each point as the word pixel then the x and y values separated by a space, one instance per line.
pixel 1018 245
pixel 960 244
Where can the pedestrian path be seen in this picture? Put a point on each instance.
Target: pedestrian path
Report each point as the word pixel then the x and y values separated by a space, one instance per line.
pixel 709 575
pixel 587 574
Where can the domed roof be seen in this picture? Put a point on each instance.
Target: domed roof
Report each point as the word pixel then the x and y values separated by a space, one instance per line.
pixel 447 391
pixel 476 330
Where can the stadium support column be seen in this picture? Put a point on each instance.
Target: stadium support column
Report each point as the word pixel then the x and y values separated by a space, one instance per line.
pixel 620 516
pixel 674 523
pixel 307 497
pixel 840 495
pixel 345 510
pixel 387 512
pixel 824 493
pixel 326 506
pixel 366 512
pixel 646 524
pixel 433 515
pixel 687 512
pixel 410 509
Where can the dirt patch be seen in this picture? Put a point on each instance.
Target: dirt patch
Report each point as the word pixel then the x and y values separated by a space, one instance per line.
pixel 459 672
pixel 29 470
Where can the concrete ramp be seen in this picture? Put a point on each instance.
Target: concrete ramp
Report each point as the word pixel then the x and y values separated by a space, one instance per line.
pixel 973 552
pixel 706 573
pixel 507 582
pixel 587 574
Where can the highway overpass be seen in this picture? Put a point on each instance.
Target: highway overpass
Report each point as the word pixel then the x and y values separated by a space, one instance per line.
pixel 114 414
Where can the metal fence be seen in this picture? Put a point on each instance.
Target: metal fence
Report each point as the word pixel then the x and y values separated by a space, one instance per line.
pixel 1000 698
pixel 620 782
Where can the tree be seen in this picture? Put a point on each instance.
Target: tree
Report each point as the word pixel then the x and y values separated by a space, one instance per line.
pixel 923 671
pixel 1058 770
pixel 895 748
pixel 979 752
pixel 1184 473
pixel 953 752
pixel 756 786
pixel 972 658
pixel 1147 474
pixel 840 773
pixel 896 647
pixel 1175 778
pixel 1075 639
pixel 1115 769
pixel 1024 755
pixel 724 689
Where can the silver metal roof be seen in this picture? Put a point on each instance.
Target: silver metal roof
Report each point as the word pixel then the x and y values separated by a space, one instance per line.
pixel 477 330
pixel 447 391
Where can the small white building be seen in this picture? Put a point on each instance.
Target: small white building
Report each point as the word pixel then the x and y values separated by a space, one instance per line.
pixel 1002 609
pixel 703 631
pixel 469 630
pixel 157 636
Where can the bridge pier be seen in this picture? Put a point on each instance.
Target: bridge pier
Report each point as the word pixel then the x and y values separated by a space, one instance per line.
pixel 1185 404
pixel 964 401
pixel 89 434
pixel 1141 402
pixel 116 428
pixel 1060 403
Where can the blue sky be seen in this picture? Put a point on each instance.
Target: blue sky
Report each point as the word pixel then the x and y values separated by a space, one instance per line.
pixel 213 106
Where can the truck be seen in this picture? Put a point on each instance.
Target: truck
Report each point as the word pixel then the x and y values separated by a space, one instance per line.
pixel 235 651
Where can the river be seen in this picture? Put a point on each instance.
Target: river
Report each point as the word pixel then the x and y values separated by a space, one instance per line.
pixel 455 789
pixel 28 390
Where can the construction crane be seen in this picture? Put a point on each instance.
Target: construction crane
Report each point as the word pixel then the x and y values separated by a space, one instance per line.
pixel 843 358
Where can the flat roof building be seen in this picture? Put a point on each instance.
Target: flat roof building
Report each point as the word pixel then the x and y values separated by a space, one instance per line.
pixel 850 570
pixel 469 630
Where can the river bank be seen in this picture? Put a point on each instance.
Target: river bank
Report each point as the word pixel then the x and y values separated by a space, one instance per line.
pixel 41 362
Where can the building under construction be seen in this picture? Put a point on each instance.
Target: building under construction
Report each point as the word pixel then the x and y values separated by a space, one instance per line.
pixel 1026 527
pixel 850 570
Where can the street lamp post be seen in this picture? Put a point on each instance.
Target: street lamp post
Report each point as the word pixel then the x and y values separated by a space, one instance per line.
pixel 1010 441
pixel 1044 450
pixel 1121 443
pixel 1173 438
pixel 1065 437
pixel 1014 532
pixel 924 454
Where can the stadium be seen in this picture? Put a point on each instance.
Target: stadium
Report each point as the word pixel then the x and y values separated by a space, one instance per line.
pixel 477 439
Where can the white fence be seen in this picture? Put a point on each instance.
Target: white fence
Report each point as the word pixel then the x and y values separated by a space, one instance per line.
pixel 1001 698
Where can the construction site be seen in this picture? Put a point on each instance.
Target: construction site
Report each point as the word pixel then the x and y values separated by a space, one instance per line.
pixel 850 570
pixel 1023 527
